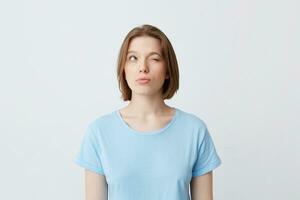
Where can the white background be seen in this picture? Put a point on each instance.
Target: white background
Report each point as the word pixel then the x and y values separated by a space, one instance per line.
pixel 239 72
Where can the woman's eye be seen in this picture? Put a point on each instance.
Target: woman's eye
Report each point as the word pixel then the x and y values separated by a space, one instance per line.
pixel 131 57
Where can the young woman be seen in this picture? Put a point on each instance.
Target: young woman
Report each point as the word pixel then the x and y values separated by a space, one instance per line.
pixel 148 150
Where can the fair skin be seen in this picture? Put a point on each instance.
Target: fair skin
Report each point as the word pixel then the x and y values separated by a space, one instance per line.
pixel 147 110
pixel 96 187
pixel 202 187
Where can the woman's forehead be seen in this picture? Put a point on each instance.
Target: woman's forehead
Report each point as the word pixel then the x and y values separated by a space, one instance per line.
pixel 144 44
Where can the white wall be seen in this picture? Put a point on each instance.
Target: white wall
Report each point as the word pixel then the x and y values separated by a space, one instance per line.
pixel 239 72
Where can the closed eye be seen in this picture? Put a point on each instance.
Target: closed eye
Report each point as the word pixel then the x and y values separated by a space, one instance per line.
pixel 155 58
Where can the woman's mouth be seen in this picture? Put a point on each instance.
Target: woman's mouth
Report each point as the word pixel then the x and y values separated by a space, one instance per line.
pixel 143 81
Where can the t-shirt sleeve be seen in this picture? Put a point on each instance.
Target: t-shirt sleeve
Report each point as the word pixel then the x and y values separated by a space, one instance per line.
pixel 88 155
pixel 207 157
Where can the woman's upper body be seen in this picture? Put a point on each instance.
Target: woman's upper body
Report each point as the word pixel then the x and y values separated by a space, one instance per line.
pixel 148 150
pixel 152 164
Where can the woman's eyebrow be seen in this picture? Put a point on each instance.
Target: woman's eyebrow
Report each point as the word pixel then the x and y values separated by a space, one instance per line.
pixel 151 53
pixel 154 53
pixel 131 52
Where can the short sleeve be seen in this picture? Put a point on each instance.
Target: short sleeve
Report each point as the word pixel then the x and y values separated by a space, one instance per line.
pixel 88 155
pixel 207 157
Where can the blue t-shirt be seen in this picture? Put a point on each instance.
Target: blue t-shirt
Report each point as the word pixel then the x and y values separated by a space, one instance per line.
pixel 153 165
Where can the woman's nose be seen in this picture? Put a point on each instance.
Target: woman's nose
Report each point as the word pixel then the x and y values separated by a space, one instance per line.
pixel 143 66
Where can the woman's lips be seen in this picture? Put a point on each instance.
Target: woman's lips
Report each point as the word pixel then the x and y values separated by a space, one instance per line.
pixel 143 81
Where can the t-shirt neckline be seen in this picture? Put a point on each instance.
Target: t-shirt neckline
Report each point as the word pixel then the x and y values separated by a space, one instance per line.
pixel 147 133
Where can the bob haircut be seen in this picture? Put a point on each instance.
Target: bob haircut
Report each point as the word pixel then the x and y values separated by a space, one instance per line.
pixel 171 84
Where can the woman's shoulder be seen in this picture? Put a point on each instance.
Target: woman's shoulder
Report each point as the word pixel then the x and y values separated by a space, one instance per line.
pixel 105 118
pixel 192 117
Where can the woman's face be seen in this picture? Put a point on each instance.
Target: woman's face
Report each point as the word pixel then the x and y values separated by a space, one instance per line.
pixel 144 60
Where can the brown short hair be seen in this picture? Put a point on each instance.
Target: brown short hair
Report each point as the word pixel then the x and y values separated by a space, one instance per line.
pixel 171 84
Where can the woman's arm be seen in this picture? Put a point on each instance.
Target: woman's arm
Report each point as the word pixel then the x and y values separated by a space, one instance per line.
pixel 202 187
pixel 95 186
